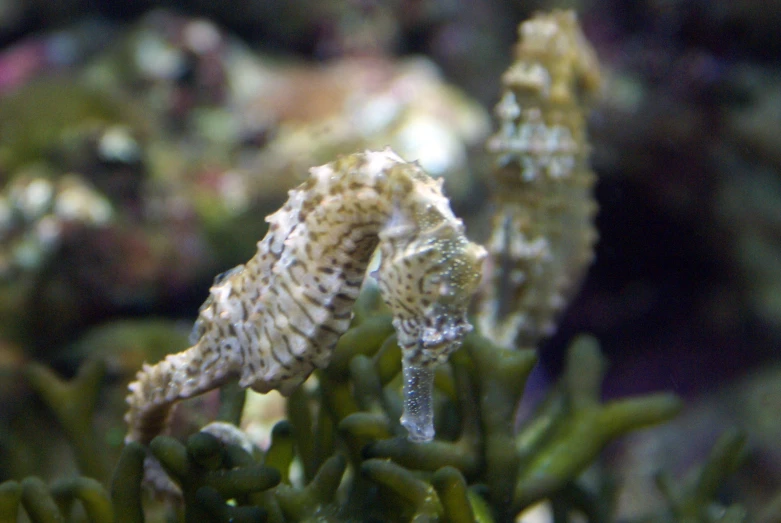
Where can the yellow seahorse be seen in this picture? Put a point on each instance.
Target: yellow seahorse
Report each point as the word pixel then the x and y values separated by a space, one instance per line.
pixel 273 320
pixel 543 232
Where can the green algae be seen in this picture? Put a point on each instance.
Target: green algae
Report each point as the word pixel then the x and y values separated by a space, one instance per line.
pixel 74 403
pixel 342 455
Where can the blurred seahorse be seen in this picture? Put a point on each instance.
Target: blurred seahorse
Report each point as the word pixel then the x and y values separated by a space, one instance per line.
pixel 543 233
pixel 273 320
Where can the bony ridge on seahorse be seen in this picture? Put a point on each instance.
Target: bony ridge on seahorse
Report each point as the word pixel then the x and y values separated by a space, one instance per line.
pixel 273 320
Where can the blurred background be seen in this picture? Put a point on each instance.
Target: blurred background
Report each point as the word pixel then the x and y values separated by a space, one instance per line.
pixel 143 142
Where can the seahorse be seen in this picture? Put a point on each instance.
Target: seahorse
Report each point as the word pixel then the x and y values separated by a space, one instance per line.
pixel 270 322
pixel 543 232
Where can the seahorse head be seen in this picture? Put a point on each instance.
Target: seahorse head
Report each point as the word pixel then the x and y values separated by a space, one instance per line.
pixel 553 59
pixel 428 274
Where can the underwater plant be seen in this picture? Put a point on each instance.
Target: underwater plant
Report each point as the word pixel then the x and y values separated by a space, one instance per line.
pixel 358 445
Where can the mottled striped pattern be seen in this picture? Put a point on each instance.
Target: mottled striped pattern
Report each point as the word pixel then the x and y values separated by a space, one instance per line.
pixel 543 232
pixel 270 322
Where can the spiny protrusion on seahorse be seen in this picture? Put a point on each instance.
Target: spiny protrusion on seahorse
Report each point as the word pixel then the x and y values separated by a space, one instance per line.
pixel 543 233
pixel 273 320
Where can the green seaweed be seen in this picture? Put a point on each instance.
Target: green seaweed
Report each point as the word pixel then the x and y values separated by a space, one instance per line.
pixel 771 512
pixel 578 427
pixel 694 498
pixel 91 493
pixel 54 503
pixel 126 484
pixel 452 491
pixel 206 467
pixel 10 497
pixel 74 405
pixel 342 454
pixel 38 501
pixel 318 498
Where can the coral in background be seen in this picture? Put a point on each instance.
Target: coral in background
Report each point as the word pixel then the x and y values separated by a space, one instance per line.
pixel 133 176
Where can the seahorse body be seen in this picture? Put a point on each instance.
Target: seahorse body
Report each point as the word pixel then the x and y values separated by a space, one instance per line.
pixel 273 320
pixel 543 231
